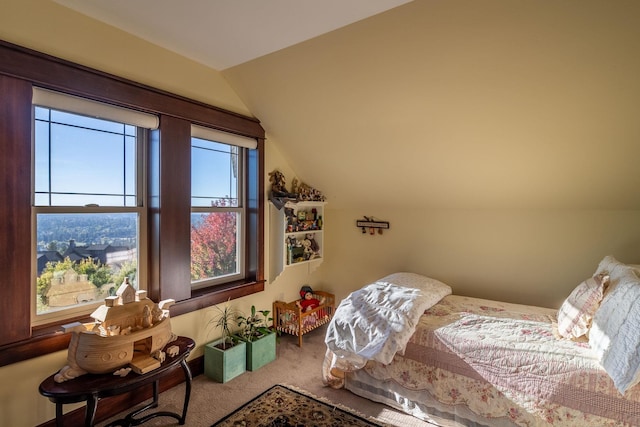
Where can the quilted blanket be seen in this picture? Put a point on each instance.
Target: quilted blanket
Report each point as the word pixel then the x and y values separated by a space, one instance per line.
pixel 493 363
pixel 376 321
pixel 532 368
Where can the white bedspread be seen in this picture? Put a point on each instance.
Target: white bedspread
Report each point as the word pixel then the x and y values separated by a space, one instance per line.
pixel 376 322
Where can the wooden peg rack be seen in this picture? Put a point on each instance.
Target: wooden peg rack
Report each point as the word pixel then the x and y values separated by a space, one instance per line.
pixel 372 225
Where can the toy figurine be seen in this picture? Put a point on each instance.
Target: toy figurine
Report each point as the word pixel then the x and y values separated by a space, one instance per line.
pixel 276 178
pixel 315 248
pixel 307 301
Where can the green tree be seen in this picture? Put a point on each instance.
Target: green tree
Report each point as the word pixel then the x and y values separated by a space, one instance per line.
pixel 97 273
pixel 128 270
pixel 44 280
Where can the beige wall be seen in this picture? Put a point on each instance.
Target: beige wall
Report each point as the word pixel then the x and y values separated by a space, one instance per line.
pixel 462 104
pixel 522 255
pixel 500 138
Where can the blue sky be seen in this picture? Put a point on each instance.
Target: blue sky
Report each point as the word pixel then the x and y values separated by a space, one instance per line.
pixel 97 157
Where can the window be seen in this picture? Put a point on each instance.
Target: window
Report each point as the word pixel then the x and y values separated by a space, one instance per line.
pixel 88 204
pixel 69 164
pixel 217 206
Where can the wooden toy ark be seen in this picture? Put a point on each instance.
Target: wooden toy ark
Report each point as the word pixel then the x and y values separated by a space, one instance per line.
pixel 128 330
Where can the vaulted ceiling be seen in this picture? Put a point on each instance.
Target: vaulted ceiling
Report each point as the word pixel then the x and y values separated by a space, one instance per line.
pixel 450 104
pixel 224 33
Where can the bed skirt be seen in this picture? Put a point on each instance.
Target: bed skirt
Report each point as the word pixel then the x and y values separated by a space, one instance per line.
pixel 428 409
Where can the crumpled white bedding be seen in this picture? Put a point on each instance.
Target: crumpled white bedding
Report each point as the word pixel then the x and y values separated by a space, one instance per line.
pixel 614 335
pixel 376 321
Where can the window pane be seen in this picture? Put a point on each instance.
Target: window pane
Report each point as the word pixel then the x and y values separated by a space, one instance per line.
pixel 83 258
pixel 86 199
pixel 78 120
pixel 214 174
pixel 130 166
pixel 214 245
pixel 81 160
pixel 85 161
pixel 42 158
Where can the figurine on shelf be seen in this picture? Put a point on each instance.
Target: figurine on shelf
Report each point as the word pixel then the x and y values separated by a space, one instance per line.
pixel 314 244
pixel 278 187
pixel 279 194
pixel 306 193
pixel 292 220
pixel 306 249
pixel 311 247
pixel 308 301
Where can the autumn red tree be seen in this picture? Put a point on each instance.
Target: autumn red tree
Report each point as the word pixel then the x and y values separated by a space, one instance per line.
pixel 213 245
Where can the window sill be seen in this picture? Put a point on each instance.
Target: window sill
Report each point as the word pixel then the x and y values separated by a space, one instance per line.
pixel 49 339
pixel 206 297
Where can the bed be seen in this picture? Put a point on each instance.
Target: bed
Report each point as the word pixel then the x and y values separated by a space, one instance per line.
pixel 460 361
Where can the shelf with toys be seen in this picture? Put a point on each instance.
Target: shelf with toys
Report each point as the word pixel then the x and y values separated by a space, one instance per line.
pixel 296 226
pixel 303 231
pixel 297 235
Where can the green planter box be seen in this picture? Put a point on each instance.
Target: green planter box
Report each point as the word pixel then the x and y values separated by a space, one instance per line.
pixel 261 351
pixel 224 365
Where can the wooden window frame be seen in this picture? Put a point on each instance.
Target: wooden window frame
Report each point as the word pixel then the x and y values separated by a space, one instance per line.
pixel 168 192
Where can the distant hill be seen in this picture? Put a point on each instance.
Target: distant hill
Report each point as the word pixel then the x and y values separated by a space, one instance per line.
pixel 86 229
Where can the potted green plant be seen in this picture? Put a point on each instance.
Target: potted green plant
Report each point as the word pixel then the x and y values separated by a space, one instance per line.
pixel 224 358
pixel 260 339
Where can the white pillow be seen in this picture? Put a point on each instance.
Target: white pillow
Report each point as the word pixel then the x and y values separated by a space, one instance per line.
pixel 576 312
pixel 617 272
pixel 417 281
pixel 614 333
pixel 636 268
pixel 616 340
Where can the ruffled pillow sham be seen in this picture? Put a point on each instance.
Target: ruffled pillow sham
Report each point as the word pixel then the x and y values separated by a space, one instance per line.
pixel 577 311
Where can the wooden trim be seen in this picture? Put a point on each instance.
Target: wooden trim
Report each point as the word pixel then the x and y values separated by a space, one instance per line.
pixel 203 298
pixel 20 68
pixel 15 208
pixel 57 74
pixel 170 223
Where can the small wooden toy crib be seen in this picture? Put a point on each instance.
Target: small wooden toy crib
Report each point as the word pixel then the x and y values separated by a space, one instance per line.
pixel 290 319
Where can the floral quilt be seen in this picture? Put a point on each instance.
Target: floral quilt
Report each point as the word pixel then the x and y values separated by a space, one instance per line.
pixel 503 362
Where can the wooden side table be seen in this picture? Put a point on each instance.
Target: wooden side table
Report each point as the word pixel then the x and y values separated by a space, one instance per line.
pixel 91 388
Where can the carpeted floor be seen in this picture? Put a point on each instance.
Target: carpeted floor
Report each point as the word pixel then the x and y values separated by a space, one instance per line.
pixel 299 367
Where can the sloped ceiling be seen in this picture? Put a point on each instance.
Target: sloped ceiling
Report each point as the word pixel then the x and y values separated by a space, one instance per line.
pixel 456 104
pixel 224 33
pixel 461 104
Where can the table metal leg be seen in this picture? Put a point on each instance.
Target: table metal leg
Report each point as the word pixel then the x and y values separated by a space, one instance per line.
pixel 90 412
pixel 130 419
pixel 187 391
pixel 59 416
